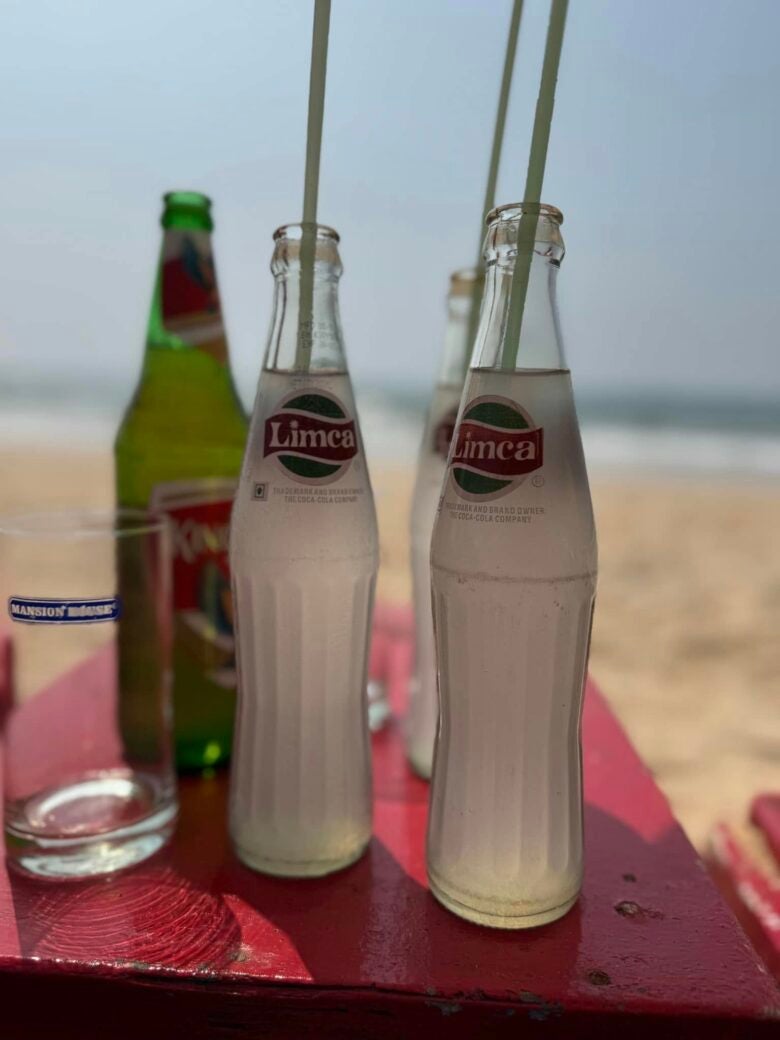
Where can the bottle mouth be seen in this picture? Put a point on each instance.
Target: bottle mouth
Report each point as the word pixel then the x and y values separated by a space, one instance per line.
pixel 187 199
pixel 504 224
pixel 294 233
pixel 515 210
pixel 191 207
pixel 462 281
pixel 289 243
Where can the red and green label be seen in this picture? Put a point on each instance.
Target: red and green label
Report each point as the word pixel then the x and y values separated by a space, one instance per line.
pixel 312 437
pixel 199 515
pixel 496 447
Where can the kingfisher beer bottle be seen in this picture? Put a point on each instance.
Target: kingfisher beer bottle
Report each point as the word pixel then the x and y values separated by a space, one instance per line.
pixel 431 468
pixel 304 558
pixel 513 562
pixel 179 451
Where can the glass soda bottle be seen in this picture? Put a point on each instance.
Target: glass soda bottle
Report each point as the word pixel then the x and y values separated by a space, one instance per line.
pixel 178 451
pixel 431 468
pixel 513 566
pixel 304 556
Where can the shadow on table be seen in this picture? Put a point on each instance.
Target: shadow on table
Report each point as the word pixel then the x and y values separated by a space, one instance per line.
pixel 374 925
pixel 148 917
pixel 195 908
pixel 164 913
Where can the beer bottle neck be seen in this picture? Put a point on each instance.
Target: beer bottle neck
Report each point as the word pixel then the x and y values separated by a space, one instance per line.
pixel 185 314
pixel 541 343
pixel 321 333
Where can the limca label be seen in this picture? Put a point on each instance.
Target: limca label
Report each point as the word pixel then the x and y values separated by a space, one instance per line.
pixel 497 444
pixel 64 611
pixel 312 437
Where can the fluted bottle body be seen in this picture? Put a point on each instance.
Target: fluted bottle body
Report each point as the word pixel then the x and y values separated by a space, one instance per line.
pixel 304 557
pixel 513 563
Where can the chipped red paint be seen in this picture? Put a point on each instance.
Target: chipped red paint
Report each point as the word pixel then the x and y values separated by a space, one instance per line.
pixel 193 944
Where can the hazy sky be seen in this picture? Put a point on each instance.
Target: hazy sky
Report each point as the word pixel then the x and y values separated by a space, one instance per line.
pixel 663 157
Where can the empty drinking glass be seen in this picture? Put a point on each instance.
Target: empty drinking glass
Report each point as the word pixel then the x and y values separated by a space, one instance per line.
pixel 89 785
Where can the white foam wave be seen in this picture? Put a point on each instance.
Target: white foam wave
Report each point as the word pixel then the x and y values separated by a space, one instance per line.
pixel 392 436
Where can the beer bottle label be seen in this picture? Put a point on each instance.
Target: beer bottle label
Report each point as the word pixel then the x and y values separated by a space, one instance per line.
pixel 188 292
pixel 199 512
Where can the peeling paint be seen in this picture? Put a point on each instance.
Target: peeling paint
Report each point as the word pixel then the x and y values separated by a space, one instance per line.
pixel 446 1007
pixel 628 908
pixel 599 978
pixel 542 1009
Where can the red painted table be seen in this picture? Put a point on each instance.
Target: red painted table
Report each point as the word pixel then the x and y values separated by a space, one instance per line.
pixel 752 892
pixel 193 944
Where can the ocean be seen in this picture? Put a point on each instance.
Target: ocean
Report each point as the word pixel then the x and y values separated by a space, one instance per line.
pixel 633 432
pixel 649 432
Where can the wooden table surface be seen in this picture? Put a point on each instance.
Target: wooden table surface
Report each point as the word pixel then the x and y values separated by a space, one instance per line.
pixel 192 944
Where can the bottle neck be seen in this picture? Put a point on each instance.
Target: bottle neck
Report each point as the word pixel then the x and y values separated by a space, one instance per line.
pixel 186 312
pixel 541 344
pixel 456 341
pixel 321 334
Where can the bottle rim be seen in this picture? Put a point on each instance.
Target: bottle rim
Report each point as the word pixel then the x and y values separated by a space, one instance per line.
pixel 187 200
pixel 66 525
pixel 462 281
pixel 294 232
pixel 514 210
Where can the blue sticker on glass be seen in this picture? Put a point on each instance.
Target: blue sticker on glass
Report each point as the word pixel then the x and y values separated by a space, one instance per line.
pixel 64 611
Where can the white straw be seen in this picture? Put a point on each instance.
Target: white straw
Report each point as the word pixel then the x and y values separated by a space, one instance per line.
pixel 319 63
pixel 526 234
pixel 495 160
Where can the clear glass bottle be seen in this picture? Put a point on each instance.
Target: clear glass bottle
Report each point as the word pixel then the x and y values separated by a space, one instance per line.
pixel 304 558
pixel 513 567
pixel 431 468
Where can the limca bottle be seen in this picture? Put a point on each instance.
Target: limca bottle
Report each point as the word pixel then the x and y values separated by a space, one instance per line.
pixel 513 568
pixel 431 469
pixel 304 555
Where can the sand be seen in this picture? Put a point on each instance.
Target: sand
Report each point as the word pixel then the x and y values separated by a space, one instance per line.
pixel 685 641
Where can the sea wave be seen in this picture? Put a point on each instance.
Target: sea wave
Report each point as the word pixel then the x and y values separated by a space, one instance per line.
pixel 392 435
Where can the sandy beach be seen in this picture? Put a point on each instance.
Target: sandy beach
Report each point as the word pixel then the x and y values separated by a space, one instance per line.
pixel 685 641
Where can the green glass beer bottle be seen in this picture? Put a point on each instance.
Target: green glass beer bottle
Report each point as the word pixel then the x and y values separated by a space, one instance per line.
pixel 178 450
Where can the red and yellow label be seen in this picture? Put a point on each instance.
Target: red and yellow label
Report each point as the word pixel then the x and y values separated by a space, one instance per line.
pixel 199 512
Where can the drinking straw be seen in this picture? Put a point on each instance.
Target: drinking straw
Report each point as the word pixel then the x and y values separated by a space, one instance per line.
pixel 495 159
pixel 311 182
pixel 526 234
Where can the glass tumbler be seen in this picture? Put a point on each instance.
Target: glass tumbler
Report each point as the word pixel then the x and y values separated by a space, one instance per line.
pixel 89 785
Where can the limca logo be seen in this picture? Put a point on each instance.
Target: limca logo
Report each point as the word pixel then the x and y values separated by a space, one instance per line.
pixel 312 437
pixel 496 446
